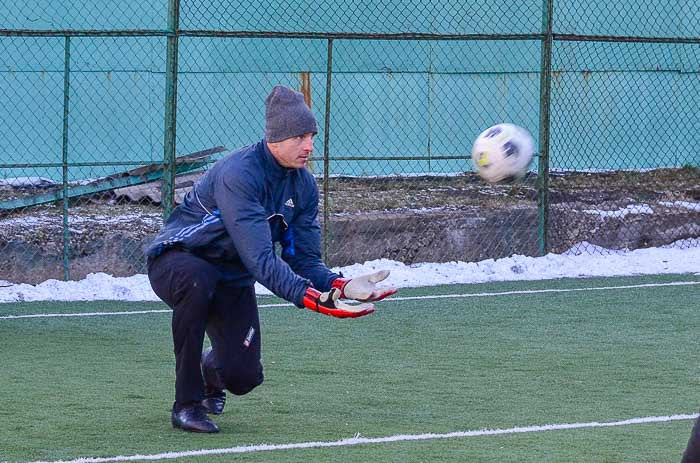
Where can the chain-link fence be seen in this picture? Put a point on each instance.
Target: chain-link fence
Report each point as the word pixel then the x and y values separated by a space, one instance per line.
pixel 104 102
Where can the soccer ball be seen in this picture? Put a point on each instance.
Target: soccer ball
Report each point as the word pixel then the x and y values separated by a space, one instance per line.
pixel 503 152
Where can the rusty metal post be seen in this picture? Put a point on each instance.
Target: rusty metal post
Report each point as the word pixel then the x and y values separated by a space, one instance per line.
pixel 305 78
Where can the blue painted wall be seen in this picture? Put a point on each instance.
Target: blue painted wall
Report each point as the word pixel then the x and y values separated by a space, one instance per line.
pixel 613 105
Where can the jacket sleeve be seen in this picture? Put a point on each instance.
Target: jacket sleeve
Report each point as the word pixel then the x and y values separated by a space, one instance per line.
pixel 306 260
pixel 237 197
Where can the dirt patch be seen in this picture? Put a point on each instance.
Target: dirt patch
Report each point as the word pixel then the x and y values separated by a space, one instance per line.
pixel 409 219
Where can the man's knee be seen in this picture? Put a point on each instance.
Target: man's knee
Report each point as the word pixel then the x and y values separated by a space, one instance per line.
pixel 241 381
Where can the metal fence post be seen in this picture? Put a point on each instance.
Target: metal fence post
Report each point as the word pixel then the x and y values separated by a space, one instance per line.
pixel 168 189
pixel 326 160
pixel 64 149
pixel 543 164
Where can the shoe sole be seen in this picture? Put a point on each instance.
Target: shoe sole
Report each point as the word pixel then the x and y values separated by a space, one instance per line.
pixel 201 431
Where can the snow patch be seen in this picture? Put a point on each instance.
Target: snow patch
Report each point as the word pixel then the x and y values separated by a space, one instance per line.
pixel 684 204
pixel 619 213
pixel 582 260
pixel 26 182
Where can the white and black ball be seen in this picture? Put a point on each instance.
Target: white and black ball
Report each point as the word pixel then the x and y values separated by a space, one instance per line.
pixel 503 152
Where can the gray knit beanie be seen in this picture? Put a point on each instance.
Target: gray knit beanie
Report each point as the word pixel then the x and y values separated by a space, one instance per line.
pixel 286 115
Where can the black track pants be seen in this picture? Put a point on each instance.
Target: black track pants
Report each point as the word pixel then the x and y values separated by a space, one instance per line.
pixel 201 303
pixel 692 452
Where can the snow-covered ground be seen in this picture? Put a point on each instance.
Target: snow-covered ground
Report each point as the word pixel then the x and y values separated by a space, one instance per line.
pixel 583 260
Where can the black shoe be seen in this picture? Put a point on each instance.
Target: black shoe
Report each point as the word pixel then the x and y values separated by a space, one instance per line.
pixel 214 400
pixel 193 418
pixel 214 397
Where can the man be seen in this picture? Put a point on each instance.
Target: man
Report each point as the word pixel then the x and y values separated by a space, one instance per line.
pixel 692 451
pixel 221 239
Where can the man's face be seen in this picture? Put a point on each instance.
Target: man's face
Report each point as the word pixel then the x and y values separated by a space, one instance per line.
pixel 293 152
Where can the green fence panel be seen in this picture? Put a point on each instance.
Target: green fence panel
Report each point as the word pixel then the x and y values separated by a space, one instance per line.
pixel 112 110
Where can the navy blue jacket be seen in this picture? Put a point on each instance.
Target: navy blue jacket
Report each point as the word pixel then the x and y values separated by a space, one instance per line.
pixel 235 213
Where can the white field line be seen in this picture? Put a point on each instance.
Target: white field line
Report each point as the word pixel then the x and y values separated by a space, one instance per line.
pixel 539 291
pixel 84 314
pixel 407 298
pixel 358 440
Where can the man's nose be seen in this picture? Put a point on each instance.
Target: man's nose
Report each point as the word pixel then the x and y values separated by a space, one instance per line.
pixel 308 144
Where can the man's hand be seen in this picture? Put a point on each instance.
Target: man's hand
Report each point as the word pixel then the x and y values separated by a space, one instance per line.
pixel 328 303
pixel 364 288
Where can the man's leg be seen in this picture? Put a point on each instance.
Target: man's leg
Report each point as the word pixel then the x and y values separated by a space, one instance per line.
pixel 214 390
pixel 234 330
pixel 188 285
pixel 692 451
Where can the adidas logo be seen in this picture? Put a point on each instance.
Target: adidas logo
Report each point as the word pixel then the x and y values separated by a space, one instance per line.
pixel 289 203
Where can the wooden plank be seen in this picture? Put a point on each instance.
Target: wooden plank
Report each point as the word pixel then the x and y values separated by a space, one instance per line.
pixel 152 190
pixel 145 174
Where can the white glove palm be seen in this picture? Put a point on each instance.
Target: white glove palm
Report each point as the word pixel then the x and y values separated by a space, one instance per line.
pixel 364 288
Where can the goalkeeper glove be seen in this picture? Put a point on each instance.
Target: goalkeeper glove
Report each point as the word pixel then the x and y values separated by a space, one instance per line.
pixel 364 288
pixel 328 303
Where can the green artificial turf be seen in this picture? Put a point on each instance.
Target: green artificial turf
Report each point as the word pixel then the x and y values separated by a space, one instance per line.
pixel 103 386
